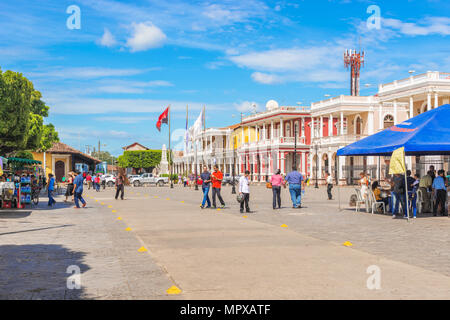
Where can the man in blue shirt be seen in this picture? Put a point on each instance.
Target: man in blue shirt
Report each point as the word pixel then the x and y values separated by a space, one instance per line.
pixel 51 188
pixel 296 181
pixel 206 178
pixel 441 193
pixel 78 190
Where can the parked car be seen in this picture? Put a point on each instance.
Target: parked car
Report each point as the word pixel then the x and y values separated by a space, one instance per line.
pixel 110 180
pixel 148 179
pixel 228 179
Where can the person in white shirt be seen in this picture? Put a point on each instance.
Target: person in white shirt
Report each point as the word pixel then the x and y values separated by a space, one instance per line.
pixel 329 185
pixel 244 190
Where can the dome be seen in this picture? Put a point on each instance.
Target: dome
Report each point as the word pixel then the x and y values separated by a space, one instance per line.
pixel 271 105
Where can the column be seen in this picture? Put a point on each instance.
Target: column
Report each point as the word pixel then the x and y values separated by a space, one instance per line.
pixel 242 136
pixel 281 128
pixel 304 162
pixel 312 129
pixel 249 134
pixel 330 126
pixel 282 163
pixel 330 158
pixel 342 124
pixel 395 112
pixel 271 130
pixel 341 161
pixel 370 121
pixel 411 107
pixel 429 102
pixel 257 133
pixel 321 127
pixel 380 115
pixel 264 131
pixel 319 160
pixel 303 127
pixel 292 129
pixel 436 100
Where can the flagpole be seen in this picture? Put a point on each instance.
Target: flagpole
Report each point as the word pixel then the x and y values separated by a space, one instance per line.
pixel 170 155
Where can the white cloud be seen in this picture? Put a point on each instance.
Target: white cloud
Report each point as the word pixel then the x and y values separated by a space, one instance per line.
pixel 145 36
pixel 427 26
pixel 160 83
pixel 107 40
pixel 265 78
pixel 246 106
pixel 86 73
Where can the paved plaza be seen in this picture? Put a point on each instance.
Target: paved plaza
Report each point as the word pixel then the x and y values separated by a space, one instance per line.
pixel 159 238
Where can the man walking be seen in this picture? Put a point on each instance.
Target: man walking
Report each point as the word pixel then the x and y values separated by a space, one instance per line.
pixel 296 182
pixel 78 190
pixel 399 194
pixel 245 192
pixel 89 181
pixel 51 188
pixel 329 185
pixel 425 186
pixel 206 181
pixel 440 192
pixel 217 177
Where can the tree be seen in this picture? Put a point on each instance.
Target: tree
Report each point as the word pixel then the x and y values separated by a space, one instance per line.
pixel 147 159
pixel 15 106
pixel 104 156
pixel 22 114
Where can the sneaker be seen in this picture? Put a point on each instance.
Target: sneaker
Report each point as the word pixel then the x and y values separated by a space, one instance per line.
pixel 414 217
pixel 84 205
pixel 222 206
pixel 394 216
pixel 242 211
pixel 202 206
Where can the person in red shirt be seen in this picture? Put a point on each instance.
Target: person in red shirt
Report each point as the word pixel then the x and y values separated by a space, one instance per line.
pixel 216 178
pixel 89 180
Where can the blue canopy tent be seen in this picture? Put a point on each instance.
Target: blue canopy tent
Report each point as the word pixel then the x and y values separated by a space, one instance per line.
pixel 425 134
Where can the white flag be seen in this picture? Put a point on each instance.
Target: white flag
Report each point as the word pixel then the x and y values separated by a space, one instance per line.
pixel 197 128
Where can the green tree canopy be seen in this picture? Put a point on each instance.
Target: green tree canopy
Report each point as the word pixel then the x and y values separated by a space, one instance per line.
pixel 22 114
pixel 104 156
pixel 140 159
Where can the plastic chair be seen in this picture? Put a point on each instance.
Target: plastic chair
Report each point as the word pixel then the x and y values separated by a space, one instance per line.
pixel 360 200
pixel 376 203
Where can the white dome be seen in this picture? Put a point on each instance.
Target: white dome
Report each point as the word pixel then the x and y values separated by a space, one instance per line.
pixel 271 105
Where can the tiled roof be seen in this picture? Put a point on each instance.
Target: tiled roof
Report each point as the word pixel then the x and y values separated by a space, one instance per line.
pixel 60 147
pixel 134 144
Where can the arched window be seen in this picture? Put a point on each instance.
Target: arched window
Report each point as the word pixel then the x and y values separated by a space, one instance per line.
pixel 388 121
pixel 358 126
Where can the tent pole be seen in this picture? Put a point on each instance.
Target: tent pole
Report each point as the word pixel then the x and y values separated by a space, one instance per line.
pixel 406 187
pixel 338 184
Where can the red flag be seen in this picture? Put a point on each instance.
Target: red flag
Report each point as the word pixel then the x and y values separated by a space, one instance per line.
pixel 163 118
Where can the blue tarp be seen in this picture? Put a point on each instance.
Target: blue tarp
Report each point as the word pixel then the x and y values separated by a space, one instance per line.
pixel 426 134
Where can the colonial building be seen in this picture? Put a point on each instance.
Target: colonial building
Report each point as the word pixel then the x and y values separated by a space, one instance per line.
pixel 269 140
pixel 135 147
pixel 61 158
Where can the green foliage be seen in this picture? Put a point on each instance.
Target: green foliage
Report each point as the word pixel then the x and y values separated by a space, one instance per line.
pixel 21 116
pixel 49 137
pixel 24 155
pixel 140 159
pixel 104 156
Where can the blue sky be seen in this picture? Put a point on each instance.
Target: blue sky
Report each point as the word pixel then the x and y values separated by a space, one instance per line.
pixel 111 78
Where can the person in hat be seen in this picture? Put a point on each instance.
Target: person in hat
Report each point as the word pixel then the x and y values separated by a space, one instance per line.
pixel 78 190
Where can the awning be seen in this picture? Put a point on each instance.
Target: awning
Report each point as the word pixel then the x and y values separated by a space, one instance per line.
pixel 426 134
pixel 23 161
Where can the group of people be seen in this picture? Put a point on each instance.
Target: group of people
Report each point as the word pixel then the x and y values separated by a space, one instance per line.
pixel 433 187
pixel 212 179
pixel 75 181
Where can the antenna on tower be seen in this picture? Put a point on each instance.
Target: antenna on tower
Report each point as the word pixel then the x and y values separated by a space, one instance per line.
pixel 354 60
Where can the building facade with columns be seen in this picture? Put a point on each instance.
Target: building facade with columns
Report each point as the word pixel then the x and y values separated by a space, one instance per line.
pixel 265 141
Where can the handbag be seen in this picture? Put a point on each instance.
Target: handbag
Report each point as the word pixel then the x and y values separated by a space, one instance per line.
pixel 269 185
pixel 240 198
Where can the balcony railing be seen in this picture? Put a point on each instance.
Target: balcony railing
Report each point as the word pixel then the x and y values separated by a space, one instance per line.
pixel 343 139
pixel 414 80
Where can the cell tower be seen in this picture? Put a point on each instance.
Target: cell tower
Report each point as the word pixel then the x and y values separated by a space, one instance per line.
pixel 354 60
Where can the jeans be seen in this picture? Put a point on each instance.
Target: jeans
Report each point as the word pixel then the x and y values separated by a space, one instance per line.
pixel 245 202
pixel 97 187
pixel 216 191
pixel 206 196
pixel 276 190
pixel 119 189
pixel 399 198
pixel 441 197
pixel 78 197
pixel 296 194
pixel 329 188
pixel 50 198
pixel 413 202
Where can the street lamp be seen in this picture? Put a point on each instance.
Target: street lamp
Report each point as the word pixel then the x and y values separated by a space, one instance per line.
pixel 233 188
pixel 316 147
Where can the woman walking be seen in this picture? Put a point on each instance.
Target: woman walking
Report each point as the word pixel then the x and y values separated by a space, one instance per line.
pixel 69 190
pixel 277 181
pixel 119 186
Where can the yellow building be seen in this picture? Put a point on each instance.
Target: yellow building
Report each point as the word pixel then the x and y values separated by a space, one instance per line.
pixel 61 159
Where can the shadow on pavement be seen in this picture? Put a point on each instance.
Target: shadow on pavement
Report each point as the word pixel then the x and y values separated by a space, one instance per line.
pixel 40 271
pixel 11 214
